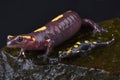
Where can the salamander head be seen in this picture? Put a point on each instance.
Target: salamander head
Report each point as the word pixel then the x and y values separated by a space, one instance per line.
pixel 20 41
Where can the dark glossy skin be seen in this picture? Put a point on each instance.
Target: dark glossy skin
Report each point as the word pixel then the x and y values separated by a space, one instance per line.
pixel 52 34
pixel 83 48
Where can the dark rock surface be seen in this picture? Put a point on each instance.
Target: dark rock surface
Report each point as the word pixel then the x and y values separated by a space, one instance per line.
pixel 13 69
pixel 100 64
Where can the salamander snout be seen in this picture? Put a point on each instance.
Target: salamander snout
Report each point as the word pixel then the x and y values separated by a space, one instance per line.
pixel 13 41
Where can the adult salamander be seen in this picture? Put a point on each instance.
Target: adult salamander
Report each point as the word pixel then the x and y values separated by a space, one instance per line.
pixel 52 34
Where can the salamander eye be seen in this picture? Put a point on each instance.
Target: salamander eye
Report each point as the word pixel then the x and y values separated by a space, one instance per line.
pixel 19 38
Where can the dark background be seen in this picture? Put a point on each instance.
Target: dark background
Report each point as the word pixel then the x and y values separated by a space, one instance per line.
pixel 24 16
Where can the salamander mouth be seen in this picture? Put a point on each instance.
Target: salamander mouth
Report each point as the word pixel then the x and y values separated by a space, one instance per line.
pixel 9 44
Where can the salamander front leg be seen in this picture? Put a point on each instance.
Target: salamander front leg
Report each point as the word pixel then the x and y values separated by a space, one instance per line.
pixel 21 53
pixel 49 47
pixel 92 24
pixel 83 48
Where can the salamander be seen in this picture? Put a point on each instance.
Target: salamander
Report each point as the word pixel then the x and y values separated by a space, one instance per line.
pixel 53 33
pixel 83 48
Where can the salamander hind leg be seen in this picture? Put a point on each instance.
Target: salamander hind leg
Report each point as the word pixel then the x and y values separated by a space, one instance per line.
pixel 96 28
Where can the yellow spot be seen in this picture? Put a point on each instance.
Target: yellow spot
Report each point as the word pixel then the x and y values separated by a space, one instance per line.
pixel 10 36
pixel 94 42
pixel 60 52
pixel 78 43
pixel 113 39
pixel 58 17
pixel 27 37
pixel 77 51
pixel 107 42
pixel 41 29
pixel 23 53
pixel 60 26
pixel 69 51
pixel 86 41
pixel 99 38
pixel 75 46
pixel 33 39
pixel 69 11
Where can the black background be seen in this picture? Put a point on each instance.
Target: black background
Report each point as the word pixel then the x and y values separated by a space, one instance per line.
pixel 24 16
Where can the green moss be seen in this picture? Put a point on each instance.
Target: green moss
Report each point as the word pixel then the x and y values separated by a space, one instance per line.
pixel 107 58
